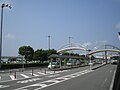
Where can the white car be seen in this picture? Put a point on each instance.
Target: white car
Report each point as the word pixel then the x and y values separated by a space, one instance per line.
pixel 91 64
pixel 69 64
pixel 78 62
pixel 53 65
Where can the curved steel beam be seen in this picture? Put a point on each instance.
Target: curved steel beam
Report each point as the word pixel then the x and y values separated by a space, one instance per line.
pixel 103 50
pixel 110 46
pixel 70 48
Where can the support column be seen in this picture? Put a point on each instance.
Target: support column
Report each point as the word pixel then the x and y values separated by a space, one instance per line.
pixel 106 57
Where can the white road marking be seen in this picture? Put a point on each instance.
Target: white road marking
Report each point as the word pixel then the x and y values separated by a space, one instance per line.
pixel 41 73
pixel 63 78
pixel 104 82
pixel 54 81
pixel 12 77
pixel 29 80
pixel 49 72
pixel 4 86
pixel 42 86
pixel 34 74
pixel 54 75
pixel 25 76
pixel 113 78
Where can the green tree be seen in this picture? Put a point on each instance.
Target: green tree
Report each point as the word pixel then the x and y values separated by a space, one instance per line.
pixel 40 55
pixel 51 51
pixel 65 53
pixel 26 51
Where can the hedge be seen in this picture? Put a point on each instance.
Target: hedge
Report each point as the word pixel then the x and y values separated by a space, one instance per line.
pixel 14 66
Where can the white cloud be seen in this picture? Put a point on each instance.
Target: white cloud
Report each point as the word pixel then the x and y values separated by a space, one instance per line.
pixel 95 48
pixel 5 1
pixel 86 44
pixel 10 36
pixel 101 42
pixel 118 26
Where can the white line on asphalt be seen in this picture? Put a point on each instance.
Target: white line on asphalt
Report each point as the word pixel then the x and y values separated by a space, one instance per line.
pixel 104 82
pixel 111 85
pixel 29 80
pixel 41 73
pixel 50 72
pixel 42 85
pixel 34 74
pixel 54 81
pixel 12 77
pixel 54 75
pixel 4 86
pixel 25 76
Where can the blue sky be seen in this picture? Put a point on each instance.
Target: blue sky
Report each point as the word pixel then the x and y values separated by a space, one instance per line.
pixel 89 22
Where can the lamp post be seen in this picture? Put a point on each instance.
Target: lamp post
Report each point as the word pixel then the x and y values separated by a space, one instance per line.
pixel 105 55
pixel 49 41
pixel 70 41
pixel 2 7
pixel 69 45
pixel 90 63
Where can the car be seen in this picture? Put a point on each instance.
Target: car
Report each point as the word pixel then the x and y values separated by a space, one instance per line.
pixel 53 65
pixel 78 62
pixel 70 62
pixel 114 62
pixel 90 63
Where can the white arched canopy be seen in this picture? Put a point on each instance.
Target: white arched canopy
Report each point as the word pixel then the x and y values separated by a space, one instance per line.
pixel 70 48
pixel 103 50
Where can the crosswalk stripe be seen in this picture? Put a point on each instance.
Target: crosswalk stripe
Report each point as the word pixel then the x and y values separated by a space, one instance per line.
pixel 41 73
pixel 28 75
pixel 49 72
pixel 4 86
pixel 12 77
pixel 25 76
pixel 34 74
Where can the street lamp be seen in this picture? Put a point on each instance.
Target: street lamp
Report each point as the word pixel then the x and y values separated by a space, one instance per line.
pixel 70 41
pixel 2 7
pixel 49 41
pixel 90 63
pixel 69 45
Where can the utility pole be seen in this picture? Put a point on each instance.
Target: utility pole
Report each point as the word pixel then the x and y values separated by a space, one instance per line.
pixel 2 7
pixel 69 46
pixel 69 41
pixel 105 55
pixel 49 41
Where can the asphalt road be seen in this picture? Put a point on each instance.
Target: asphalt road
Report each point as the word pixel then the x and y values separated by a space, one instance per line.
pixel 75 79
pixel 99 79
